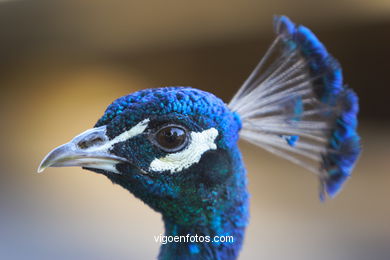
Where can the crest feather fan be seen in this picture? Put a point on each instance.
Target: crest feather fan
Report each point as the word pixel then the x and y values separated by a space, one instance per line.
pixel 294 104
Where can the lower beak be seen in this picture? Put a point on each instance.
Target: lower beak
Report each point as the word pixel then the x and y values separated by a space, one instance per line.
pixel 89 149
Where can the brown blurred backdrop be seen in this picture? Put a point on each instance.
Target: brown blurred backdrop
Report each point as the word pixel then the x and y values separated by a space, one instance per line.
pixel 62 62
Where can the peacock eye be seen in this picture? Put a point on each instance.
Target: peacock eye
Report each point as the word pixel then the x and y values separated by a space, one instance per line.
pixel 171 138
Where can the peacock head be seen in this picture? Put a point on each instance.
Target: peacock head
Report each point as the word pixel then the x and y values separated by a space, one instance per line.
pixel 171 147
pixel 176 148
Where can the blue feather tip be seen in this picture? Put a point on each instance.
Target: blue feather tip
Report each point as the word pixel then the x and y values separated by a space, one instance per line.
pixel 344 142
pixel 344 145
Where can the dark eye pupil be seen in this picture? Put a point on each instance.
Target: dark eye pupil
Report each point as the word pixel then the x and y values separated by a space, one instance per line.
pixel 171 137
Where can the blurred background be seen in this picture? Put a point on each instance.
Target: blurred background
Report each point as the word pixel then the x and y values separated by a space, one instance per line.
pixel 62 62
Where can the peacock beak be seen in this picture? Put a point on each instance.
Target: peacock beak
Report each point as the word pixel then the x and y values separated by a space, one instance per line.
pixel 89 149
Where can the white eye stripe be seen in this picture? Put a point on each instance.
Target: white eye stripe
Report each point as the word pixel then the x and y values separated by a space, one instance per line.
pixel 134 131
pixel 200 143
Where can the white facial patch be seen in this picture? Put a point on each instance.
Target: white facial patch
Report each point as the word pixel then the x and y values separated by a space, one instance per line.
pixel 200 143
pixel 134 131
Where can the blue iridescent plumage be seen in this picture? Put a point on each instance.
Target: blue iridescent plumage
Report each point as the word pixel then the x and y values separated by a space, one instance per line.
pixel 209 198
pixel 175 148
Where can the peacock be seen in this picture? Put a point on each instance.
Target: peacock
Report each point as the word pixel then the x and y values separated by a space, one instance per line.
pixel 176 148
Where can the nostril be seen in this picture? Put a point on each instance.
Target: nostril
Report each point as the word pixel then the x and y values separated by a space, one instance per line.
pixel 84 144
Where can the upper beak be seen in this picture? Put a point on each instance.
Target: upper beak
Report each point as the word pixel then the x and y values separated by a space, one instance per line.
pixel 89 149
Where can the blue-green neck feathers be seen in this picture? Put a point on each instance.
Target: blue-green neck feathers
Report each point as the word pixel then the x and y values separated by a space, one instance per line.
pixel 220 209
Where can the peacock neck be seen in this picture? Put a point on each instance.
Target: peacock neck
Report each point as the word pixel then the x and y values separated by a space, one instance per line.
pixel 224 219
